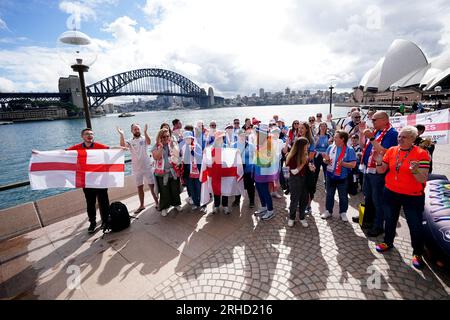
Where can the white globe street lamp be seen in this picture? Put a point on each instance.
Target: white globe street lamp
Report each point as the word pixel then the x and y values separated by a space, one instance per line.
pixel 77 49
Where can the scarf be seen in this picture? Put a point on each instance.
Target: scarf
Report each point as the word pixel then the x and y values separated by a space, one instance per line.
pixel 193 172
pixel 336 163
pixel 371 165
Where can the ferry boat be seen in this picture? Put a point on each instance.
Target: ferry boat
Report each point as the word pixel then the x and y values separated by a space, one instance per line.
pixel 125 114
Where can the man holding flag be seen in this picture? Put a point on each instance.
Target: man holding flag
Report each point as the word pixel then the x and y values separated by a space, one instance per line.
pixel 92 194
pixel 86 165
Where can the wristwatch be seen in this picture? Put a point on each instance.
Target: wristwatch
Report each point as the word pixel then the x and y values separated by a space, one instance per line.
pixel 371 139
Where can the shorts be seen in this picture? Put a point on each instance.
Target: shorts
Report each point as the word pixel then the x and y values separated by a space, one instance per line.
pixel 144 175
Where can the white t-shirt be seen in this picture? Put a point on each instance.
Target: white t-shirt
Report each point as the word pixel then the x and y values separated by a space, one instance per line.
pixel 140 160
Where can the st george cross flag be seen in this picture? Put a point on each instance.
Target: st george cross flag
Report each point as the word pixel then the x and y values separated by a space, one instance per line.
pixel 77 169
pixel 221 173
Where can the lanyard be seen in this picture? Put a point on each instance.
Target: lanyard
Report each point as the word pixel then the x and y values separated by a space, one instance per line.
pixel 398 163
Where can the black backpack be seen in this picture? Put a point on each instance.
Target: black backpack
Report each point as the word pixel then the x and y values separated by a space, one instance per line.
pixel 118 217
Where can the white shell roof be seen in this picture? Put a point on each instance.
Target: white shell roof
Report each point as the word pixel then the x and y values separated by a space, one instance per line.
pixel 405 65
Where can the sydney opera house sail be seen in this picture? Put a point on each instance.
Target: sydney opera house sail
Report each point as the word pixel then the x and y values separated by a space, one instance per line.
pixel 405 65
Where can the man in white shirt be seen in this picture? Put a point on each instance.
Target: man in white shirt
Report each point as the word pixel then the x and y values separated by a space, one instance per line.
pixel 141 164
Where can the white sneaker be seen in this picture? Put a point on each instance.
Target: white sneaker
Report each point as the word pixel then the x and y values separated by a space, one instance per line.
pixel 325 215
pixel 194 207
pixel 260 211
pixel 290 223
pixel 203 210
pixel 344 216
pixel 178 208
pixel 189 201
pixel 216 210
pixel 226 210
pixel 304 223
pixel 164 212
pixel 268 215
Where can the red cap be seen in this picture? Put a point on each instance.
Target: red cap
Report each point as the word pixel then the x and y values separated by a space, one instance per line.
pixel 255 121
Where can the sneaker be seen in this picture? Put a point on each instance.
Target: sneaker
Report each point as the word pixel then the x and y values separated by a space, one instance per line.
pixel 194 207
pixel 325 215
pixel 178 208
pixel 286 192
pixel 226 210
pixel 189 201
pixel 216 210
pixel 203 209
pixel 382 247
pixel 92 226
pixel 304 223
pixel 308 210
pixel 260 211
pixel 417 262
pixel 290 223
pixel 164 212
pixel 267 215
pixel 344 216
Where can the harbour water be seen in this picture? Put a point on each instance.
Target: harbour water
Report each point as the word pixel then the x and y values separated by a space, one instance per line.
pixel 20 138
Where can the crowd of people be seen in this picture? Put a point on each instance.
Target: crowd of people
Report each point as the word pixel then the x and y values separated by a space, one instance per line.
pixel 270 159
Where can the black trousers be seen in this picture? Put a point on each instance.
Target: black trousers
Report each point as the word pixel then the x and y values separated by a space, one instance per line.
pixel 91 196
pixel 249 185
pixel 217 201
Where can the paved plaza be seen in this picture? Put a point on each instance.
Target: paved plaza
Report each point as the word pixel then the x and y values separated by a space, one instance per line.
pixel 188 255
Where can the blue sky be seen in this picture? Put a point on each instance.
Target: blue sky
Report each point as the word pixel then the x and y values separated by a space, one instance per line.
pixel 42 21
pixel 235 46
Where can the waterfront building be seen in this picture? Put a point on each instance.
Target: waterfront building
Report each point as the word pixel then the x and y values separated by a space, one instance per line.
pixel 28 114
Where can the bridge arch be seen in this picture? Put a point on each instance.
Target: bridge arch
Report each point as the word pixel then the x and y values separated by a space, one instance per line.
pixel 152 81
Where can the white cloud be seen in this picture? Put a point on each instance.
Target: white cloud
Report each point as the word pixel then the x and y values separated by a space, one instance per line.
pixel 3 25
pixel 6 85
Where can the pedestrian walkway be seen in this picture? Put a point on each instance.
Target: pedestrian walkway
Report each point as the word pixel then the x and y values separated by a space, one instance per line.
pixel 187 255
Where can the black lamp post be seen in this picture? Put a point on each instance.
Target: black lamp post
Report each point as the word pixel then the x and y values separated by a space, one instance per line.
pixel 331 87
pixel 81 69
pixel 437 89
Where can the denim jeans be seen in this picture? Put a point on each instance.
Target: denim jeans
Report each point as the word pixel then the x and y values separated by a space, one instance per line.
pixel 413 207
pixel 299 196
pixel 341 186
pixel 373 196
pixel 194 187
pixel 264 195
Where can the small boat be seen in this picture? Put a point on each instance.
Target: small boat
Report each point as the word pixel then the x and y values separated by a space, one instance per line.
pixel 6 122
pixel 125 114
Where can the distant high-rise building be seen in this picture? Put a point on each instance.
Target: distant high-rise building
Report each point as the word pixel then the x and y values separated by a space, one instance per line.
pixel 307 92
pixel 261 93
pixel 287 91
pixel 211 96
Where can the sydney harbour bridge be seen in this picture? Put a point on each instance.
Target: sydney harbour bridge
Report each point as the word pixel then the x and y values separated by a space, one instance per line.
pixel 154 81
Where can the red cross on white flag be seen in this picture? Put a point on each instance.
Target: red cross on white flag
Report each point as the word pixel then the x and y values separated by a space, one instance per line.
pixel 77 169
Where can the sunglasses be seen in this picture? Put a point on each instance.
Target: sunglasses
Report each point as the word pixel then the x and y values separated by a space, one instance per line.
pixel 236 123
pixel 296 122
pixel 212 125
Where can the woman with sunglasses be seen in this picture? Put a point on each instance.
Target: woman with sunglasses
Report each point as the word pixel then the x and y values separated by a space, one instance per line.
pixel 166 155
pixel 322 141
